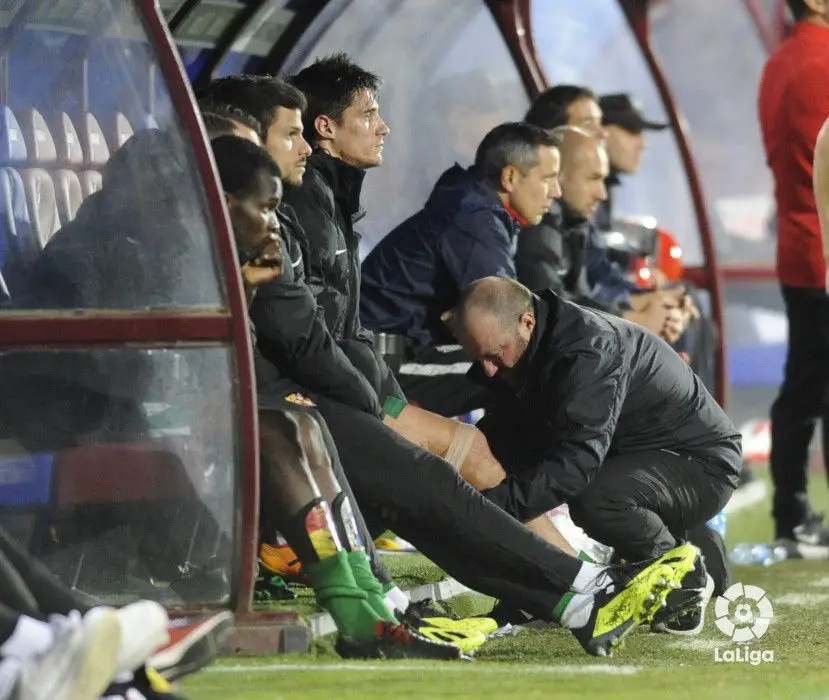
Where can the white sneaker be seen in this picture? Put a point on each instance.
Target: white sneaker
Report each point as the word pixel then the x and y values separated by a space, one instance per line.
pixel 79 665
pixel 143 630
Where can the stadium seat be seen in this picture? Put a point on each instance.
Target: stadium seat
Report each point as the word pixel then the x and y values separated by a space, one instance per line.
pixel 67 142
pixel 37 182
pixel 122 133
pixel 95 152
pixel 15 221
pixel 68 193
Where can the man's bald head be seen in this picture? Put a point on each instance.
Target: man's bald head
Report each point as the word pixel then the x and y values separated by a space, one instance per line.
pixel 493 321
pixel 584 167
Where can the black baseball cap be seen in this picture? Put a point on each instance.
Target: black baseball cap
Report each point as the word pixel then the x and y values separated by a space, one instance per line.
pixel 622 110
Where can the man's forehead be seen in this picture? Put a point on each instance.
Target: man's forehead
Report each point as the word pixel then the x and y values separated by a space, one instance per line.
pixel 364 99
pixel 285 117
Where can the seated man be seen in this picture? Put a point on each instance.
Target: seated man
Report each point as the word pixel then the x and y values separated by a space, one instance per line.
pixel 426 502
pixel 557 253
pixel 465 231
pixel 303 491
pixel 599 413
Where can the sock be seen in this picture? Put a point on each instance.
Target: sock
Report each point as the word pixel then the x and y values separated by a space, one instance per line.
pixel 575 611
pixel 346 523
pixel 30 638
pixel 338 592
pixel 395 598
pixel 590 579
pixel 366 581
pixel 584 556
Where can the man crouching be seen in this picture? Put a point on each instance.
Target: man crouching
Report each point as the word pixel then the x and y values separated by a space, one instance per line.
pixel 600 413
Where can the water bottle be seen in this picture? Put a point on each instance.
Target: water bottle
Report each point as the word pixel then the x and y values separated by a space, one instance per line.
pixel 747 554
pixel 719 524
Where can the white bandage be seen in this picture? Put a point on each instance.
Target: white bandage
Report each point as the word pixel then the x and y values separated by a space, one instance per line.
pixel 460 445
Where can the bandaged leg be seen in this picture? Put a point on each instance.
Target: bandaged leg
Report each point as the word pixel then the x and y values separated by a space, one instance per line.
pixel 461 444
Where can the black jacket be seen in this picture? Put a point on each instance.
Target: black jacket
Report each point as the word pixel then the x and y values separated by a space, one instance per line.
pixel 327 204
pixel 591 386
pixel 416 272
pixel 292 337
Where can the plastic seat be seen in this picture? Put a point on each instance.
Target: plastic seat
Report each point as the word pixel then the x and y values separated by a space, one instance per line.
pixel 122 133
pixel 68 194
pixel 95 152
pixel 37 182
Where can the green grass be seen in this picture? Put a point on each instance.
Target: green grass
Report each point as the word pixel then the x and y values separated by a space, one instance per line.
pixel 549 663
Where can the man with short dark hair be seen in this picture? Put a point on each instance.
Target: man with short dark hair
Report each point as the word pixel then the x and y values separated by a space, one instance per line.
pixel 599 413
pixel 573 105
pixel 344 127
pixel 465 231
pixel 275 105
pixel 793 104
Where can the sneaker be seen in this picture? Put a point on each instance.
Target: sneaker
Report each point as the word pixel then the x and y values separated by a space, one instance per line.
pixel 79 665
pixel 143 630
pixel 395 642
pixel 468 641
pixel 191 648
pixel 282 560
pixel 628 600
pixel 689 621
pixel 421 614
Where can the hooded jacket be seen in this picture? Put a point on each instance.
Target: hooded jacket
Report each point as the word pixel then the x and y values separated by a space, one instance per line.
pixel 591 386
pixel 416 272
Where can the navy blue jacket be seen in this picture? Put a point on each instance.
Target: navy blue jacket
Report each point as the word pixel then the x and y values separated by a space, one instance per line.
pixel 417 271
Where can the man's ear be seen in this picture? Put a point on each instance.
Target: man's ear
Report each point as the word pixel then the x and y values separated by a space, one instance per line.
pixel 325 126
pixel 447 317
pixel 509 176
pixel 527 321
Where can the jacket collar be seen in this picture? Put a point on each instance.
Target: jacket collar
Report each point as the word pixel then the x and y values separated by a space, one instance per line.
pixel 344 179
pixel 570 217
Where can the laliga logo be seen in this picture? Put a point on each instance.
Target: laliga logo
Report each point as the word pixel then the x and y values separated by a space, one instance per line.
pixel 744 614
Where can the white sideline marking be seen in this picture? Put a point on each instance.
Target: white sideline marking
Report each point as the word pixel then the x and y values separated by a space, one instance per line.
pixel 442 668
pixel 747 496
pixel 820 583
pixel 805 599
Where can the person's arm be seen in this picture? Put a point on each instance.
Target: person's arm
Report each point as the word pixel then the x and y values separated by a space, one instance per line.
pixel 821 184
pixel 292 334
pixel 589 388
pixel 538 259
pixel 477 245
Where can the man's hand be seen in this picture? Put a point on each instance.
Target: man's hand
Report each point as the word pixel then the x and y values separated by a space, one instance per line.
pixel 260 271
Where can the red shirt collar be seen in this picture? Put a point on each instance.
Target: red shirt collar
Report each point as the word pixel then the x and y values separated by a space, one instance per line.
pixel 515 215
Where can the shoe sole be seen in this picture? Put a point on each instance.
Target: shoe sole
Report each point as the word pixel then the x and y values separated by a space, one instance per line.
pixel 484 625
pixel 655 583
pixel 102 644
pixel 707 593
pixel 467 641
pixel 192 652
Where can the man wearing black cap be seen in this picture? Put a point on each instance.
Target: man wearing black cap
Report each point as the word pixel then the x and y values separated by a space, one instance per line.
pixel 625 126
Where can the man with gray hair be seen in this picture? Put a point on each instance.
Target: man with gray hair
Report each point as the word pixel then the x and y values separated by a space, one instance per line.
pixel 465 231
pixel 599 413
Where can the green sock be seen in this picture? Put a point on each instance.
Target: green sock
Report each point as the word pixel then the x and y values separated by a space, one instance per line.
pixel 558 610
pixel 584 556
pixel 365 579
pixel 339 594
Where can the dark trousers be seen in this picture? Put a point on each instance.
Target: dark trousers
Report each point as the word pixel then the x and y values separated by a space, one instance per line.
pixel 425 501
pixel 644 503
pixel 802 399
pixel 437 382
pixel 28 588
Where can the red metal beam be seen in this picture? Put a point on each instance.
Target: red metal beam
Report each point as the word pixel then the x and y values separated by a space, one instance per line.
pixel 767 34
pixel 513 18
pixel 637 16
pixel 105 328
pixel 248 494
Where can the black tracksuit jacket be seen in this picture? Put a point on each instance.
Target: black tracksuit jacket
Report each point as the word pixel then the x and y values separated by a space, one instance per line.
pixel 590 386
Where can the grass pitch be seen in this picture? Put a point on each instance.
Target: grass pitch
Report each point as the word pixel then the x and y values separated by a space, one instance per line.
pixel 550 663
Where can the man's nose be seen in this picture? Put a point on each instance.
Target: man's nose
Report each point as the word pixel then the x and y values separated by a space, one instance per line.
pixel 384 129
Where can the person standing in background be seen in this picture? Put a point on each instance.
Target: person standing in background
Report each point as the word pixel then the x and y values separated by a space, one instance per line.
pixel 793 104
